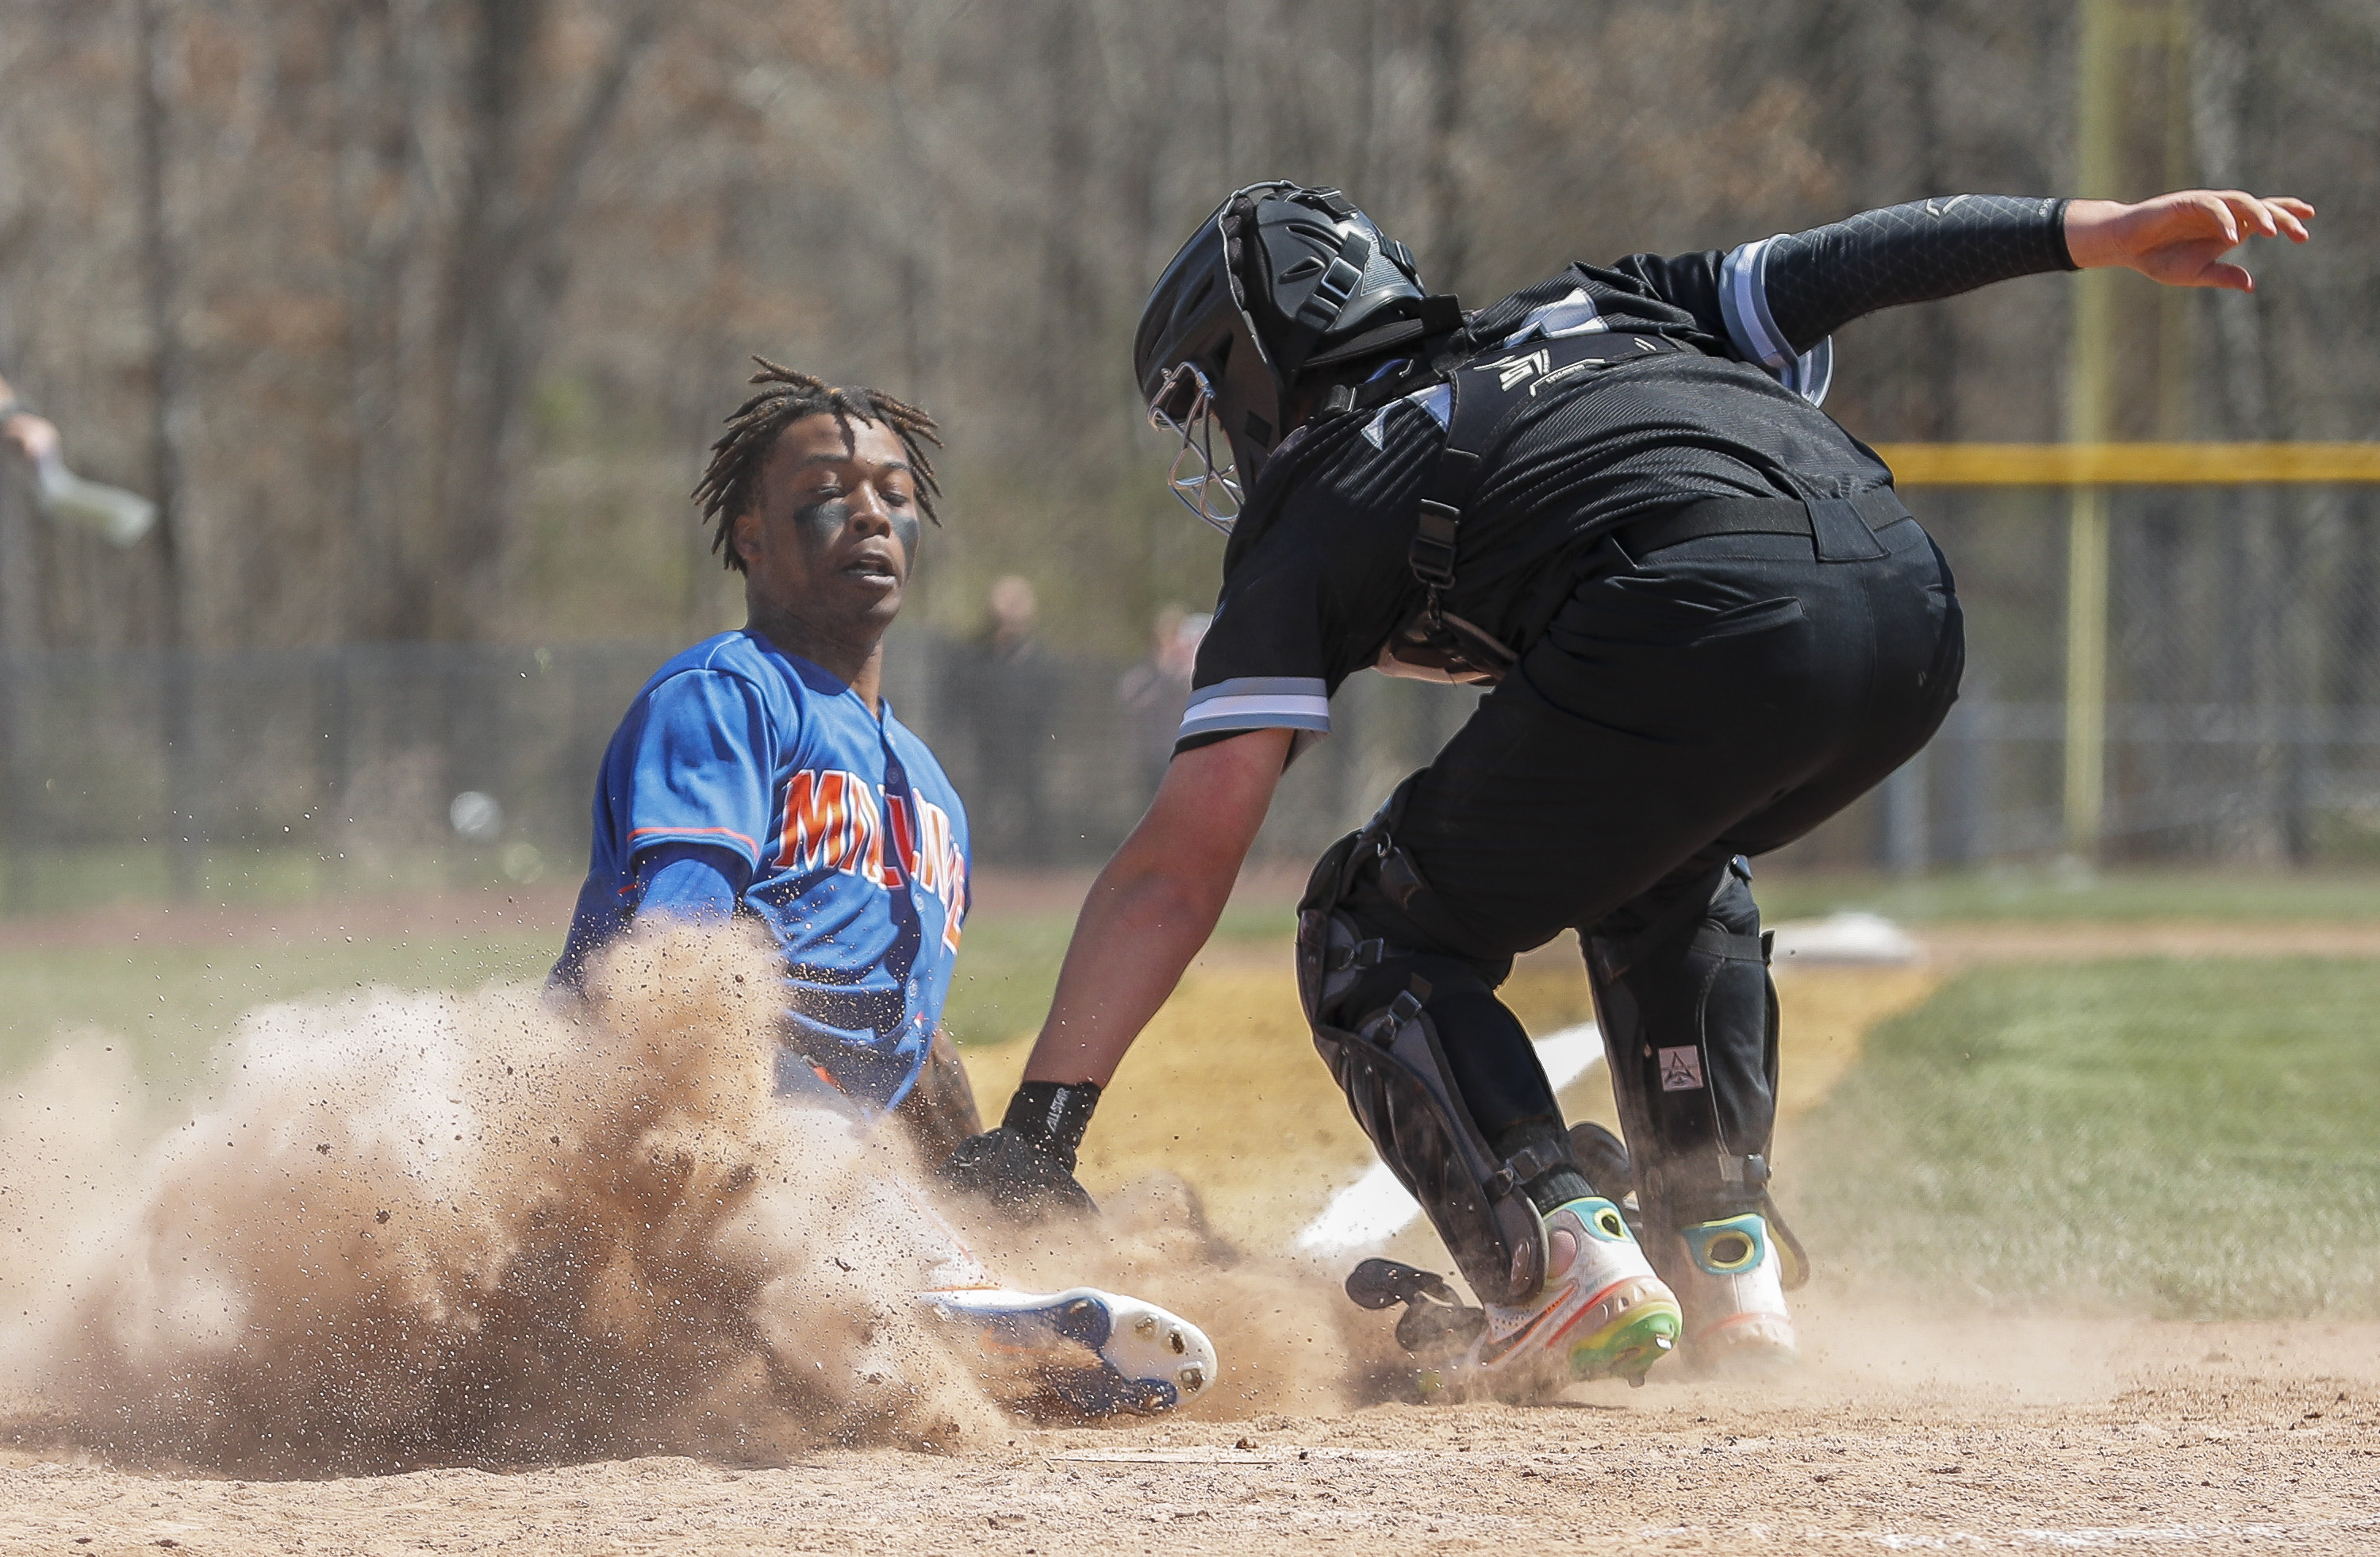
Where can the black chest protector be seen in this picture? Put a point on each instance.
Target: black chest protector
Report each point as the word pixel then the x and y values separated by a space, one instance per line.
pixel 1488 394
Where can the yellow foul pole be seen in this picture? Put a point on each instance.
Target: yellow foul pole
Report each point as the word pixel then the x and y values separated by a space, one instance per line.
pixel 2133 58
pixel 2087 421
pixel 2130 464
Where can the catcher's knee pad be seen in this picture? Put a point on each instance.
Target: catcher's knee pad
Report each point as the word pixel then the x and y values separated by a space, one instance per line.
pixel 1367 1011
pixel 1689 1019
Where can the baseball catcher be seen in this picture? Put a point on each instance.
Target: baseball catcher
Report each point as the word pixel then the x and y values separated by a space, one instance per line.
pixel 1708 624
pixel 761 773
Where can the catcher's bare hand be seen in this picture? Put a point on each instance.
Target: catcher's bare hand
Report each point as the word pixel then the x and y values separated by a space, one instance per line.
pixel 2181 239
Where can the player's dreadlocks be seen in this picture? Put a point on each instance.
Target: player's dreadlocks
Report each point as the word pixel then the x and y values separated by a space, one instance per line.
pixel 728 487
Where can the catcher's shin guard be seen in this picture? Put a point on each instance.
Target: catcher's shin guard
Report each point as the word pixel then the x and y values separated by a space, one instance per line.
pixel 1689 1020
pixel 1386 1055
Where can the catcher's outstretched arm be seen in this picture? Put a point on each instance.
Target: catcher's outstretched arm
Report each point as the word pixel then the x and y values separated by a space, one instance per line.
pixel 1156 903
pixel 1783 295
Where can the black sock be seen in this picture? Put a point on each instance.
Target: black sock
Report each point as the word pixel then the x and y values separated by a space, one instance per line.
pixel 1558 1185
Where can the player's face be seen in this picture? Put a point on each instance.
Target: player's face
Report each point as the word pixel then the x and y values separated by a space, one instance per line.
pixel 835 533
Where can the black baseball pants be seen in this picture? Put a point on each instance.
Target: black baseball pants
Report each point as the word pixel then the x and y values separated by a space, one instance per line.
pixel 1715 697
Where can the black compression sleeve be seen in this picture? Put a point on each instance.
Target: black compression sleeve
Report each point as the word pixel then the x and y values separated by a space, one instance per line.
pixel 1823 279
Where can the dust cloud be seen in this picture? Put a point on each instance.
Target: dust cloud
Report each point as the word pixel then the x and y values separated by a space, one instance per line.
pixel 415 1228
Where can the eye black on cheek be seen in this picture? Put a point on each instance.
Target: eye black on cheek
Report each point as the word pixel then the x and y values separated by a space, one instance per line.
pixel 823 520
pixel 905 530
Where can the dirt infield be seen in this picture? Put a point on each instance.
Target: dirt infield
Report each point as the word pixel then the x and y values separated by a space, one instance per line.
pixel 1899 1432
pixel 1896 1437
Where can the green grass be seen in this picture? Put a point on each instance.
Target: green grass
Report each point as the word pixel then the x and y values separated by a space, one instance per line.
pixel 1008 965
pixel 60 881
pixel 2047 893
pixel 172 1005
pixel 63 880
pixel 2185 1141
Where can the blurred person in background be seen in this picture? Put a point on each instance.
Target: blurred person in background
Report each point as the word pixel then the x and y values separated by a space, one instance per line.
pixel 1005 690
pixel 32 436
pixel 1709 624
pixel 123 517
pixel 1012 608
pixel 1153 692
pixel 761 775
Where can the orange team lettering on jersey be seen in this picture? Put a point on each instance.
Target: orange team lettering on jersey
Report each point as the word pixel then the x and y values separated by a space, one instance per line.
pixel 940 867
pixel 831 822
pixel 904 840
pixel 854 838
pixel 923 843
pixel 863 846
pixel 815 819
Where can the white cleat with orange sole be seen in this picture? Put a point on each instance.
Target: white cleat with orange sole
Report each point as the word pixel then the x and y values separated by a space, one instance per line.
pixel 1732 1288
pixel 1603 1314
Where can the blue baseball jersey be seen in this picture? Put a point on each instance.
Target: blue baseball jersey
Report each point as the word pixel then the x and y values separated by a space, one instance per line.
pixel 857 846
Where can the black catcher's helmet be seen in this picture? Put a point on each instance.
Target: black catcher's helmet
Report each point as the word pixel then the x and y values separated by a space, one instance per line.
pixel 1279 281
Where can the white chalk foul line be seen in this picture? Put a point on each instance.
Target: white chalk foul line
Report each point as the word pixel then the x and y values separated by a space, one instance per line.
pixel 1376 1207
pixel 2102 1539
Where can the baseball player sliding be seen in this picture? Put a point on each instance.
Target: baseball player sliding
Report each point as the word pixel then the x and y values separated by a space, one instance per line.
pixel 760 773
pixel 1709 624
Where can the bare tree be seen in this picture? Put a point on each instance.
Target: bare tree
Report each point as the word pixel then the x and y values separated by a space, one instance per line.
pixel 161 286
pixel 1449 225
pixel 511 263
pixel 393 230
pixel 383 202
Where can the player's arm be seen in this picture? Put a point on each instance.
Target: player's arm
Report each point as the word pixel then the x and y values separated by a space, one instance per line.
pixel 700 883
pixel 1792 292
pixel 1147 916
pixel 1776 300
pixel 688 780
pixel 1156 904
pixel 697 883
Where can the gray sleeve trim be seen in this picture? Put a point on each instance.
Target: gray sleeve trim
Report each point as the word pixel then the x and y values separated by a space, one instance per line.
pixel 1744 302
pixel 1258 702
pixel 1263 687
pixel 1752 330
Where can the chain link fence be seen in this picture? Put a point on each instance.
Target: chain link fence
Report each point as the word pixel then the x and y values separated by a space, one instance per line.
pixel 2243 727
pixel 2243 684
pixel 284 774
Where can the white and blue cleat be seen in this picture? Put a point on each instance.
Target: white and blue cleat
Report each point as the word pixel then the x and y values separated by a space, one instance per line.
pixel 1731 1285
pixel 1098 1353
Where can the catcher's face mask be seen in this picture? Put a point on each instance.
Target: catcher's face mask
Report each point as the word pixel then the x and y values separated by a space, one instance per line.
pixel 1183 405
